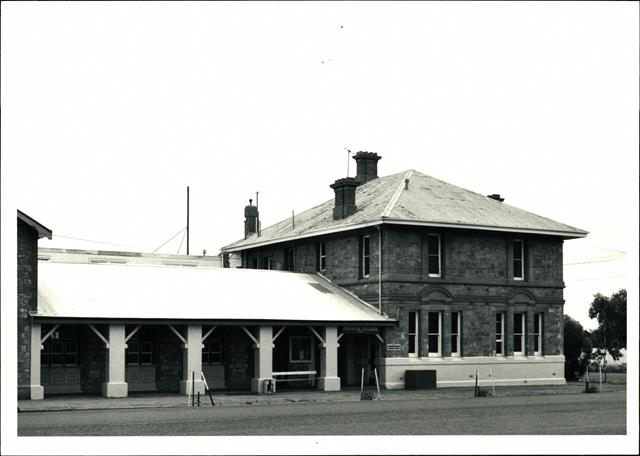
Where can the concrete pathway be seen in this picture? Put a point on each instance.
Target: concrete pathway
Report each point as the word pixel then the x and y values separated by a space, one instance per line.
pixel 58 403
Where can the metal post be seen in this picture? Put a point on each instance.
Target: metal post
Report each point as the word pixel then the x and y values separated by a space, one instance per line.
pixel 475 391
pixel 187 220
pixel 362 384
pixel 375 371
pixel 193 388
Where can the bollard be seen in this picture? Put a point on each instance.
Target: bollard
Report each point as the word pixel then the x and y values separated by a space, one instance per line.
pixel 198 398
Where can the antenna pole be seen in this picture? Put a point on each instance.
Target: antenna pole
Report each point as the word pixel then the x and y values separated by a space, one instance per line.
pixel 187 220
pixel 258 217
pixel 348 153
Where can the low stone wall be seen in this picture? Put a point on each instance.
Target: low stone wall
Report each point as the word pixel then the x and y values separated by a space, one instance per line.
pixel 456 372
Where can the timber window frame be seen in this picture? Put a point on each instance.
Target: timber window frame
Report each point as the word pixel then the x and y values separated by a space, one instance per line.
pixel 434 334
pixel 519 333
pixel 499 347
pixel 413 334
pixel 60 352
pixel 538 323
pixel 300 349
pixel 434 255
pixel 456 325
pixel 212 350
pixel 518 259
pixel 365 257
pixel 322 256
pixel 139 352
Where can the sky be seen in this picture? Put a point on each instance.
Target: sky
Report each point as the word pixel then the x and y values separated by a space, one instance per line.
pixel 110 110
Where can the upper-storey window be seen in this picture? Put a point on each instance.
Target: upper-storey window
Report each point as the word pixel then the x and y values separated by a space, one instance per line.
pixel 433 255
pixel 518 259
pixel 365 258
pixel 322 256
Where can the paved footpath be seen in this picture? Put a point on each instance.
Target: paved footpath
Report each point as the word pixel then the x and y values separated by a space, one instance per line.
pixel 86 402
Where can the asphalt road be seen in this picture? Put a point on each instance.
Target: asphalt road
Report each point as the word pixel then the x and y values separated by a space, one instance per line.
pixel 555 414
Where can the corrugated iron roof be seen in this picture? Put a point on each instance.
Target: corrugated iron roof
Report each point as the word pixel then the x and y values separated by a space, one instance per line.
pixel 108 291
pixel 427 201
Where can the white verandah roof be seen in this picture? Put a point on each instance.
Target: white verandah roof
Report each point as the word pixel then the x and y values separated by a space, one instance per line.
pixel 127 292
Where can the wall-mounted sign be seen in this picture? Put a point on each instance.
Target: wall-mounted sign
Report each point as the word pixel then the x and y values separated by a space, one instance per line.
pixel 393 347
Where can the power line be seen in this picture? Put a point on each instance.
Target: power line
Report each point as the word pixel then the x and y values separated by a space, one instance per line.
pixel 593 261
pixel 600 248
pixel 90 240
pixel 180 246
pixel 170 239
pixel 595 278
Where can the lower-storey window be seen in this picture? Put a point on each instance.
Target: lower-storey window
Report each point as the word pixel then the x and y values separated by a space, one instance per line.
pixel 537 333
pixel 455 333
pixel 434 326
pixel 60 349
pixel 212 350
pixel 518 333
pixel 413 334
pixel 300 349
pixel 500 334
pixel 139 351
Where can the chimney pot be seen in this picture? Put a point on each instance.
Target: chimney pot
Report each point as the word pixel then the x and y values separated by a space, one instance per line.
pixel 367 166
pixel 406 184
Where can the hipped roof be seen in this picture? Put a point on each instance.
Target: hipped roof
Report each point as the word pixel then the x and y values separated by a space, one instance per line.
pixel 426 202
pixel 127 292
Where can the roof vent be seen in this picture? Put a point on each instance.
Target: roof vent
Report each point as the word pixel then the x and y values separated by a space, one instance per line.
pixel 496 196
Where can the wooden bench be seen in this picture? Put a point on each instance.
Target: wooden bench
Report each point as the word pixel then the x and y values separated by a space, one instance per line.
pixel 309 374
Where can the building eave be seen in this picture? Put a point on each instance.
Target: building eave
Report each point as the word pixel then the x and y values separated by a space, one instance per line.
pixel 390 221
pixel 42 230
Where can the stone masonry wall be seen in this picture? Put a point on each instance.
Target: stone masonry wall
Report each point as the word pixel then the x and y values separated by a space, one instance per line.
pixel 476 280
pixel 238 358
pixel 167 359
pixel 27 302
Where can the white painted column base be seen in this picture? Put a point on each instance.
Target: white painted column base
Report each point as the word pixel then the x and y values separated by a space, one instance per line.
pixel 257 385
pixel 185 387
pixel 329 383
pixel 115 389
pixel 36 392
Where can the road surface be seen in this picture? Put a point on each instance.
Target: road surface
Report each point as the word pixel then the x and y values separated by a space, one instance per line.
pixel 553 414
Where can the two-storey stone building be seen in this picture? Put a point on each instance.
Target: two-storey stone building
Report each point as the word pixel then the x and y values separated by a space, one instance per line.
pixel 474 284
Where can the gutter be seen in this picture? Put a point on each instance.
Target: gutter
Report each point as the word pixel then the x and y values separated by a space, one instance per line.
pixel 389 221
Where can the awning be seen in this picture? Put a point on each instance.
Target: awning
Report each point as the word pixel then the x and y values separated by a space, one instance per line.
pixel 100 292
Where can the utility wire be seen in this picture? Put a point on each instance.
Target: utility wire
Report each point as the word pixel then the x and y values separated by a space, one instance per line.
pixel 594 261
pixel 600 248
pixel 595 278
pixel 90 240
pixel 183 236
pixel 170 239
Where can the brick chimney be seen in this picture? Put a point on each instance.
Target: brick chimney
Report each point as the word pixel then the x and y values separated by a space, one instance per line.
pixel 367 166
pixel 345 190
pixel 250 219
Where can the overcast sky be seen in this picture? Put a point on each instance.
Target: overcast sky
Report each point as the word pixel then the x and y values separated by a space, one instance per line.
pixel 110 110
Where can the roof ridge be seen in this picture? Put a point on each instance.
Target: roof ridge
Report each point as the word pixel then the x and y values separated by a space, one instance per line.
pixel 396 195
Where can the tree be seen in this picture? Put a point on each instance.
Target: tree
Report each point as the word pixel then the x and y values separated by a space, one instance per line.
pixel 611 334
pixel 577 349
